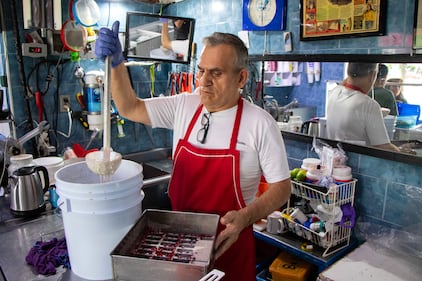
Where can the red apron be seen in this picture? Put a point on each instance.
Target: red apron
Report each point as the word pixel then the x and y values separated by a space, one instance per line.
pixel 208 181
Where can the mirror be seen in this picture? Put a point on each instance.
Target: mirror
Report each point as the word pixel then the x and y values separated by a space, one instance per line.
pixel 311 97
pixel 152 37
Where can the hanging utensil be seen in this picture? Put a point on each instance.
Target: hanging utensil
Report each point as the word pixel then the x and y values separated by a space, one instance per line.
pixel 73 36
pixel 105 162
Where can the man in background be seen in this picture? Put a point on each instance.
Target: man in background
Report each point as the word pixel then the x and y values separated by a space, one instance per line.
pixel 352 116
pixel 383 96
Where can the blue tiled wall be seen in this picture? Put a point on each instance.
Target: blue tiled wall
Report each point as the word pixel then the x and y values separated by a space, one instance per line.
pixel 388 191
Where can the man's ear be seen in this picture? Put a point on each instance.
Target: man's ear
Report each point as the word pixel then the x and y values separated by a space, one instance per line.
pixel 243 77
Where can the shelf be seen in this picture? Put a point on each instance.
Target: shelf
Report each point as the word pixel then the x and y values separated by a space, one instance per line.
pixel 292 244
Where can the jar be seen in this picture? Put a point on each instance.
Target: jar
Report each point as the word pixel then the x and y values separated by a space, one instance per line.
pixel 313 175
pixel 310 163
pixel 93 91
pixel 342 174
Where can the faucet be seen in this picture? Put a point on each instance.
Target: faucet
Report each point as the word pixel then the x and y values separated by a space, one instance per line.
pixel 284 111
pixel 42 126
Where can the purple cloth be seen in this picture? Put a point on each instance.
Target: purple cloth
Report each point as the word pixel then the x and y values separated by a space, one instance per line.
pixel 46 256
pixel 349 216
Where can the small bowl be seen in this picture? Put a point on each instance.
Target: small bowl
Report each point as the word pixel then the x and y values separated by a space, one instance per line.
pixel 97 164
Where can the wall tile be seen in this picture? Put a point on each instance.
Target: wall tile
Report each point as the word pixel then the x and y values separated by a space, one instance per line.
pixel 384 186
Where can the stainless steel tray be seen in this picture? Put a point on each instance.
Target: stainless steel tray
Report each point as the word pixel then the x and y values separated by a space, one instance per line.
pixel 129 265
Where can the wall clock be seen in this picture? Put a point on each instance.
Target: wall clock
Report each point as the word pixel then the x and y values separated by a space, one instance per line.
pixel 264 14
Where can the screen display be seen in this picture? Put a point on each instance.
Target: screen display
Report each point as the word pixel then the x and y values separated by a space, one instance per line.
pixel 35 50
pixel 158 38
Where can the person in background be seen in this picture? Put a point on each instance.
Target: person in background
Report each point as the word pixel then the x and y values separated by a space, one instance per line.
pixel 394 85
pixel 383 96
pixel 352 116
pixel 221 145
pixel 179 46
pixel 181 29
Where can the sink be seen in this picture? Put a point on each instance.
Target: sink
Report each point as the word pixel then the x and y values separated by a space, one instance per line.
pixel 157 173
pixel 155 188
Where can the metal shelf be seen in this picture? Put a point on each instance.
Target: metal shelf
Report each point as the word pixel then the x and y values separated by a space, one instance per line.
pixel 292 243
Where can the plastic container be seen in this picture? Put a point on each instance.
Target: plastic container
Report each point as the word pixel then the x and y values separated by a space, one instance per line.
pixel 287 267
pixel 314 175
pixel 406 122
pixel 96 216
pixel 342 174
pixel 406 109
pixel 310 163
pixel 93 91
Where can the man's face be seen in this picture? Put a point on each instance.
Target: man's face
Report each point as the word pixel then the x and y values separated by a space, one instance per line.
pixel 219 79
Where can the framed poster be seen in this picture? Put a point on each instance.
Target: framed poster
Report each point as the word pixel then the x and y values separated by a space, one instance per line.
pixel 341 18
pixel 417 40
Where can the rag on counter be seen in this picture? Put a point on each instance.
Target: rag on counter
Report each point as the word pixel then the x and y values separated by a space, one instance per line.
pixel 46 256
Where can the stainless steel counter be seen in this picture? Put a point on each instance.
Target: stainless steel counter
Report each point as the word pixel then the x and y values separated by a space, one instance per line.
pixel 18 235
pixel 17 239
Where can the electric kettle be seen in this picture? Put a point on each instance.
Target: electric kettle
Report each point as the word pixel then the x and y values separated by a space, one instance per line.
pixel 28 186
pixel 310 127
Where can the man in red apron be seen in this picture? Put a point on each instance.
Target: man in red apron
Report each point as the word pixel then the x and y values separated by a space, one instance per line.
pixel 192 190
pixel 214 138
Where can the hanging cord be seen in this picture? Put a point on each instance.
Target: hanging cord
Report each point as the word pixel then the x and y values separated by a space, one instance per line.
pixel 69 115
pixel 19 58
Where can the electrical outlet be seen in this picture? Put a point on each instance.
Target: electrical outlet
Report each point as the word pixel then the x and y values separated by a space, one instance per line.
pixel 64 103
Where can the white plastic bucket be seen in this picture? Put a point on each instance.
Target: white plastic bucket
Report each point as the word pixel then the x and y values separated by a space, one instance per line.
pixel 96 216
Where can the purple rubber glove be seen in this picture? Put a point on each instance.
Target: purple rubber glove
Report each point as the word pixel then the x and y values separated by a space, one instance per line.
pixel 164 20
pixel 108 44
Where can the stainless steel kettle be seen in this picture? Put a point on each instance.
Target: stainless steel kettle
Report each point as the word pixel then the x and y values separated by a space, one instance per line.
pixel 28 186
pixel 311 127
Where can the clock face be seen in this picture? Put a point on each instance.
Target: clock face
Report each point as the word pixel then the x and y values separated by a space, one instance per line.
pixel 262 12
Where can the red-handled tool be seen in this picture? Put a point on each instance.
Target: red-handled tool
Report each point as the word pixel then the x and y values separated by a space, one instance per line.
pixel 38 102
pixel 80 99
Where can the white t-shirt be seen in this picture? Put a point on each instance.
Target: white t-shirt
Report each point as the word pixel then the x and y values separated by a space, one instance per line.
pixel 180 47
pixel 259 141
pixel 354 117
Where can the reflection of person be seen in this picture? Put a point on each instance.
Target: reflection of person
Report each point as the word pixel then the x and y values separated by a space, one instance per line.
pixel 394 85
pixel 180 47
pixel 352 116
pixel 219 153
pixel 181 29
pixel 383 96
